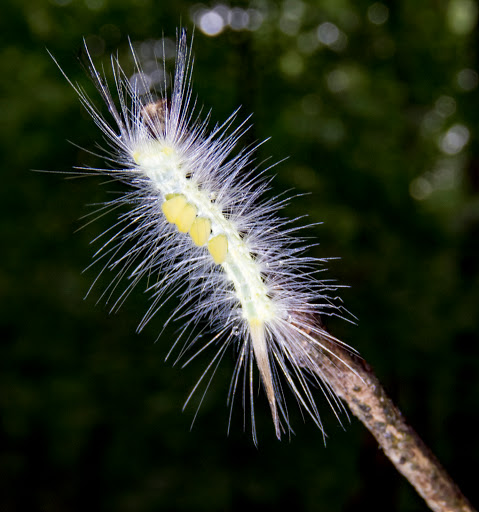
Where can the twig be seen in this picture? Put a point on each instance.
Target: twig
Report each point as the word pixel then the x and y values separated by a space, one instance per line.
pixel 368 401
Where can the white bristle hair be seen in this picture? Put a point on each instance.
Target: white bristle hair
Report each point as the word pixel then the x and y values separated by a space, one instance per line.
pixel 199 228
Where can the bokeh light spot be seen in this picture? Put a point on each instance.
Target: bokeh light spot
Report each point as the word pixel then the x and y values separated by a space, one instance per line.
pixel 164 48
pixel 255 18
pixel 238 18
pixel 338 80
pixel 461 16
pixel 445 106
pixel 378 13
pixel 307 42
pixel 95 5
pixel 467 79
pixel 420 188
pixel 211 23
pixel 291 63
pixel 431 123
pixel 95 45
pixel 454 140
pixel 328 33
pixel 141 83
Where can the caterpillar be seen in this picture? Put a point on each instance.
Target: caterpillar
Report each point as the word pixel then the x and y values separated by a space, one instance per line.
pixel 199 227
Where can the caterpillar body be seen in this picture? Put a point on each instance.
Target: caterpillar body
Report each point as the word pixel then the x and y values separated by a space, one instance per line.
pixel 199 227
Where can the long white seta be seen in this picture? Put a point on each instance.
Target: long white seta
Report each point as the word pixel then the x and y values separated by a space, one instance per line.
pixel 198 227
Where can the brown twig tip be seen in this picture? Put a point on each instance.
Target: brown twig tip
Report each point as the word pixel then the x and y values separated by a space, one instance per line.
pixel 368 400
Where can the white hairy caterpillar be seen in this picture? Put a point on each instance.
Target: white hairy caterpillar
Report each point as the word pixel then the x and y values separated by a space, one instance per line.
pixel 198 227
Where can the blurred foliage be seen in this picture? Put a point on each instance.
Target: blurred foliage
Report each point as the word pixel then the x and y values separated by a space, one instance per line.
pixel 376 107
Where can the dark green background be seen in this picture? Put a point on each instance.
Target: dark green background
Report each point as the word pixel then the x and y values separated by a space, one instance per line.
pixel 90 412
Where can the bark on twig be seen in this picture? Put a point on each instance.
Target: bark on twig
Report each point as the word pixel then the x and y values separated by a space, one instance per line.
pixel 368 401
